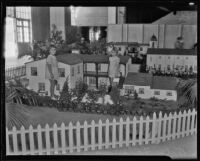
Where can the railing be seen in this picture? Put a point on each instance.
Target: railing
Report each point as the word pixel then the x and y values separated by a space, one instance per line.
pixel 100 135
pixel 11 73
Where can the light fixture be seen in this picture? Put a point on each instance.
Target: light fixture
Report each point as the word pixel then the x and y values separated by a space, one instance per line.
pixel 191 3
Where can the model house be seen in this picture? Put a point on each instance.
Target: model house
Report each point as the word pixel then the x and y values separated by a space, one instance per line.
pixel 148 86
pixel 95 68
pixel 69 66
pixel 172 58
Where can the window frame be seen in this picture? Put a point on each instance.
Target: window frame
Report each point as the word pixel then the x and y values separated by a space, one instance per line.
pixel 59 72
pixel 41 84
pixel 23 30
pixel 139 91
pixel 155 93
pixel 167 93
pixel 32 68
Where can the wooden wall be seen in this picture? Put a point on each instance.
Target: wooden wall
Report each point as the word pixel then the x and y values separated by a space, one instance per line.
pixel 142 33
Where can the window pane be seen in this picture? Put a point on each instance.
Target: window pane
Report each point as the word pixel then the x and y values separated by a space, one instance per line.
pixel 19 23
pixel 61 72
pixel 26 35
pixel 25 23
pixel 19 34
pixel 34 71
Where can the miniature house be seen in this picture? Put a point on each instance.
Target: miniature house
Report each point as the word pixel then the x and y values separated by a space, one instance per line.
pixel 172 58
pixel 68 66
pixel 148 86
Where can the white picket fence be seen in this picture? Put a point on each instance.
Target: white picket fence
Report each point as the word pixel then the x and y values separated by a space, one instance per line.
pixel 100 135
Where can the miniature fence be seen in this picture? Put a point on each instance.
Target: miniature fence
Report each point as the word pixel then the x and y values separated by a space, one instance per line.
pixel 77 138
pixel 11 73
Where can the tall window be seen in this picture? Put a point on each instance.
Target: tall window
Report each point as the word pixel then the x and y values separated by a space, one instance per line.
pixel 23 16
pixel 156 92
pixel 61 72
pixel 34 71
pixel 23 30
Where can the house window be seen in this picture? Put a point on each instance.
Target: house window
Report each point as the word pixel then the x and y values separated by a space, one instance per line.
pixel 34 71
pixel 78 69
pixel 156 92
pixel 9 11
pixel 168 93
pixel 58 87
pixel 92 80
pixel 72 71
pixel 129 89
pixel 99 67
pixel 141 90
pixel 23 30
pixel 41 86
pixel 61 72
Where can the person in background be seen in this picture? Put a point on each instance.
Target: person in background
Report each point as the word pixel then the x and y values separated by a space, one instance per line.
pixel 113 67
pixel 52 70
pixel 179 43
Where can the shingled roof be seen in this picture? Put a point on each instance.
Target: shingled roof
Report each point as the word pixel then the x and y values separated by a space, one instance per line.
pixel 155 82
pixel 165 83
pixel 166 51
pixel 70 59
pixel 139 79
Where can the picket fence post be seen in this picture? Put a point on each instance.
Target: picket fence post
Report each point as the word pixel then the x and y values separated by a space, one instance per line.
pixel 192 123
pixel 71 139
pixel 39 135
pixel 120 132
pixel 154 124
pixel 100 135
pixel 127 131
pixel 179 124
pixel 47 131
pixel 55 138
pixel 78 136
pixel 174 126
pixel 93 135
pixel 114 133
pixel 140 130
pixel 188 122
pixel 183 124
pixel 164 127
pixel 169 127
pixel 159 129
pixel 134 132
pixel 107 133
pixel 85 136
pixel 147 130
pixel 63 140
pixel 22 133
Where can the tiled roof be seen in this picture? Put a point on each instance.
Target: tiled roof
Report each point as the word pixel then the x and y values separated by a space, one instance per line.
pixel 155 82
pixel 166 83
pixel 101 58
pixel 166 51
pixel 140 79
pixel 70 59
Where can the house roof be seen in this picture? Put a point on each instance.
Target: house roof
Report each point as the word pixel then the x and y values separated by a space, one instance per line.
pixel 166 83
pixel 166 51
pixel 70 59
pixel 140 79
pixel 101 58
pixel 155 82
